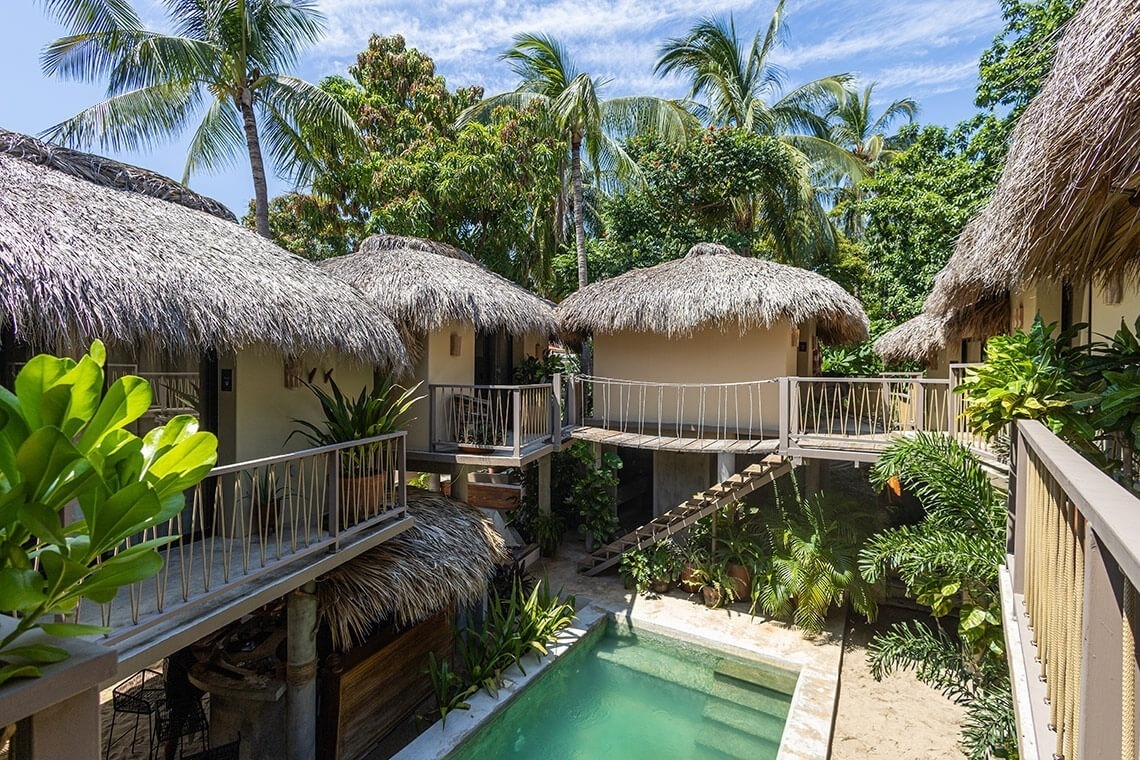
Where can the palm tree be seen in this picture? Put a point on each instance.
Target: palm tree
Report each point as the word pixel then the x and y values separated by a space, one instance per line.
pixel 586 121
pixel 223 55
pixel 856 130
pixel 735 84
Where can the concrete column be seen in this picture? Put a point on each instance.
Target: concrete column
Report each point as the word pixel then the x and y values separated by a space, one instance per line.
pixel 544 485
pixel 725 465
pixel 66 729
pixel 301 674
pixel 813 477
pixel 459 482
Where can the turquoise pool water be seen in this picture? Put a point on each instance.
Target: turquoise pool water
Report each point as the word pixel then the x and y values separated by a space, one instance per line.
pixel 641 697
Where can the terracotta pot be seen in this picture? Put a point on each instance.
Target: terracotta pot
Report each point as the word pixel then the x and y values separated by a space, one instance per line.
pixel 711 596
pixel 362 496
pixel 688 582
pixel 661 586
pixel 741 581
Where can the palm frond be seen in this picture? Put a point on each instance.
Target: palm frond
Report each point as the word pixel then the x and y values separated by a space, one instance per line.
pixel 142 117
pixel 217 141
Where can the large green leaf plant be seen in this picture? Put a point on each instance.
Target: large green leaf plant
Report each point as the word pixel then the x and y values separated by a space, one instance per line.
pixel 63 441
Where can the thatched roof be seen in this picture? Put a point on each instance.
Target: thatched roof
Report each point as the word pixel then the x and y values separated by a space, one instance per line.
pixel 423 285
pixel 446 558
pixel 917 339
pixel 82 260
pixel 106 172
pixel 1067 204
pixel 712 286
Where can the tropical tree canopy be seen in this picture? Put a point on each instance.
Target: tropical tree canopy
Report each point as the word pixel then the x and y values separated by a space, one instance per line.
pixel 583 119
pixel 223 61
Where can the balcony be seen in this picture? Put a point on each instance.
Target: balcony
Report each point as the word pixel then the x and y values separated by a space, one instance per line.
pixel 1069 602
pixel 250 532
pixel 488 425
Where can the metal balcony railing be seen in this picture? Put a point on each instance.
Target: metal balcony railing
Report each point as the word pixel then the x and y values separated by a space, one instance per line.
pixel 494 419
pixel 247 520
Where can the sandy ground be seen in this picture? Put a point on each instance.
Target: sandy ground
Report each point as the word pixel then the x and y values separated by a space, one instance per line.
pixel 898 718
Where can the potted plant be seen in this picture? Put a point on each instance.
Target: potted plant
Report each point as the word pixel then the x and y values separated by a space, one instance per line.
pixel 346 419
pixel 548 530
pixel 691 558
pixel 655 568
pixel 717 589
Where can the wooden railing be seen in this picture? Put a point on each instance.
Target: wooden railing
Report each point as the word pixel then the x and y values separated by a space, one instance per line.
pixel 494 419
pixel 962 430
pixel 1069 601
pixel 247 520
pixel 726 411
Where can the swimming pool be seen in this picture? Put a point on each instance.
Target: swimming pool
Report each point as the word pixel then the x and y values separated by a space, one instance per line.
pixel 641 696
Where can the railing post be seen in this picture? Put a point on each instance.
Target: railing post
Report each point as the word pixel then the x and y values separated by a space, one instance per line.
pixel 919 405
pixel 572 401
pixel 516 401
pixel 1101 703
pixel 785 412
pixel 402 476
pixel 556 411
pixel 431 417
pixel 333 499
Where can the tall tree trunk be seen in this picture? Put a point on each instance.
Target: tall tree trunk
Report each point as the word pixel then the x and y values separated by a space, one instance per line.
pixel 256 163
pixel 579 209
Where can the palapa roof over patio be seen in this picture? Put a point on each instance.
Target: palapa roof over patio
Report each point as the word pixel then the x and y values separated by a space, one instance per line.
pixel 446 558
pixel 714 287
pixel 423 285
pixel 93 248
pixel 1067 204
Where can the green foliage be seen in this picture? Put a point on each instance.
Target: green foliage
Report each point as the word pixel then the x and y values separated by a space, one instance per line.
pixel 374 412
pixel 487 188
pixel 533 370
pixel 913 210
pixel 726 186
pixel 548 531
pixel 591 494
pixel 1112 394
pixel 813 562
pixel 1028 375
pixel 949 562
pixel 659 564
pixel 519 623
pixel 63 440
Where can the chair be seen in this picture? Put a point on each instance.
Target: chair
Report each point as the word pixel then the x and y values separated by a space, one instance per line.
pixel 180 729
pixel 143 694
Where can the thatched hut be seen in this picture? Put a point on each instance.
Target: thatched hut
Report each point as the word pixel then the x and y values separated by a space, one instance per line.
pixel 699 333
pixel 1062 230
pixel 465 324
pixel 93 248
pixel 711 316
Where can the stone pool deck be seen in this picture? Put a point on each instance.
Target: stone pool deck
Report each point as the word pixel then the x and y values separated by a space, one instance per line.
pixel 808 731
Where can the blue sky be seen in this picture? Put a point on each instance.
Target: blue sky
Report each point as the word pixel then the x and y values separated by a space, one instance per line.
pixel 925 49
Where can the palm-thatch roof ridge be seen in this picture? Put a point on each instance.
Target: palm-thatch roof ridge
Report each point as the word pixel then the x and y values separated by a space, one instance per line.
pixel 713 286
pixel 446 558
pixel 80 261
pixel 423 285
pixel 1067 204
pixel 107 172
